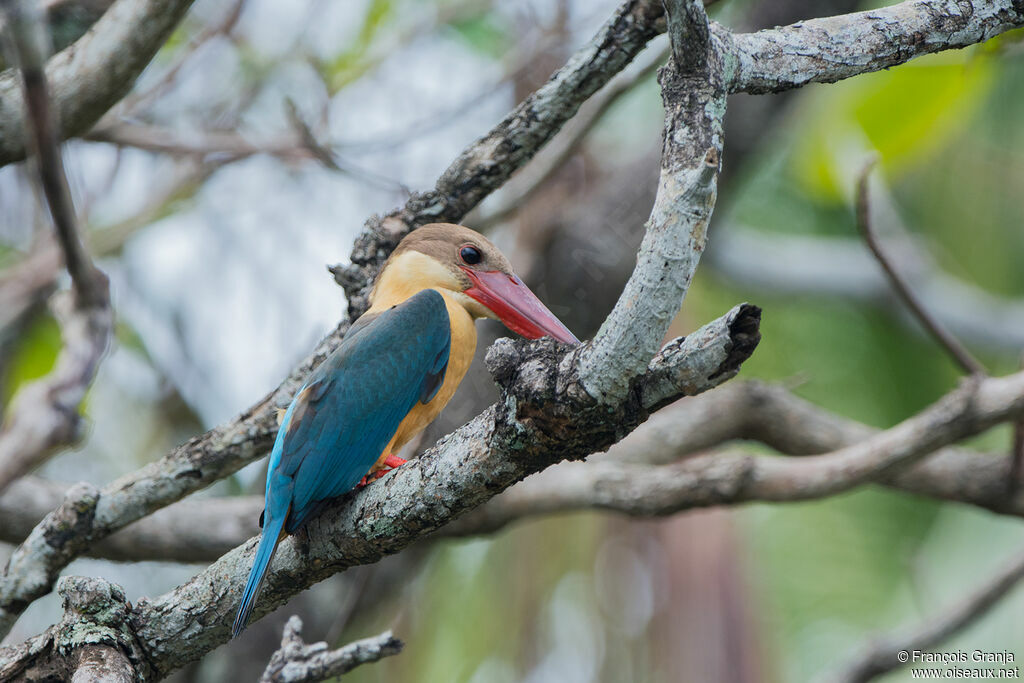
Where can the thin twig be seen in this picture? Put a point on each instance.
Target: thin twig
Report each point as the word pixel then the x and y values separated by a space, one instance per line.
pixel 887 652
pixel 27 37
pixel 45 413
pixel 296 662
pixel 957 350
pixel 580 129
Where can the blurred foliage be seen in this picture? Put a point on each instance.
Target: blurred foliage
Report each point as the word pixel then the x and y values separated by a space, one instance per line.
pixel 33 354
pixel 484 33
pixel 904 114
pixel 350 63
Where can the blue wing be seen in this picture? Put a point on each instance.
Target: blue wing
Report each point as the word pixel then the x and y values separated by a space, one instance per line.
pixel 341 420
pixel 347 412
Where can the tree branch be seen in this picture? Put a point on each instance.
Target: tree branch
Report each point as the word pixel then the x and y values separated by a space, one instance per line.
pixel 297 662
pixel 490 161
pixel 881 654
pixel 92 642
pixel 545 417
pixel 675 232
pixel 93 74
pixel 688 33
pixel 45 413
pixel 833 48
pixel 955 349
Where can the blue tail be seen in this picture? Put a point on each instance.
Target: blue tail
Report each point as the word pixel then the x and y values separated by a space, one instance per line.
pixel 264 553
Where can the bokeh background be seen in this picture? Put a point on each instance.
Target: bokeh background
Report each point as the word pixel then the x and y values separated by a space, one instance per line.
pixel 215 222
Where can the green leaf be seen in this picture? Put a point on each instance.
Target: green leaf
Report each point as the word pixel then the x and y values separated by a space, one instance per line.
pixel 905 114
pixel 34 354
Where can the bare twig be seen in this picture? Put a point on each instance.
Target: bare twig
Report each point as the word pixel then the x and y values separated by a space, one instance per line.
pixel 887 652
pixel 960 354
pixel 90 78
pixel 297 662
pixel 26 34
pixel 45 413
pixel 841 267
pixel 546 164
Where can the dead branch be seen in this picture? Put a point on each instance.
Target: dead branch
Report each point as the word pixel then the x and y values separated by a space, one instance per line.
pixel 297 662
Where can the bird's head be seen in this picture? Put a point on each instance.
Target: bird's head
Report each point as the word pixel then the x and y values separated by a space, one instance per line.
pixel 464 264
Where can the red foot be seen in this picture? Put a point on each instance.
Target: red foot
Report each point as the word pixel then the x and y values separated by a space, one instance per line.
pixel 390 463
pixel 394 461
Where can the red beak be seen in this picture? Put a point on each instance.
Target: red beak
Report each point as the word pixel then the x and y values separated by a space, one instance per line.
pixel 516 306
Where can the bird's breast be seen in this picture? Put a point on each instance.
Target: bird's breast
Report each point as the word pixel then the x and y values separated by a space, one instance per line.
pixel 463 347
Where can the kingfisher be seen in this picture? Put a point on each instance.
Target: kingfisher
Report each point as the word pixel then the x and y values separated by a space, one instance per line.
pixel 398 365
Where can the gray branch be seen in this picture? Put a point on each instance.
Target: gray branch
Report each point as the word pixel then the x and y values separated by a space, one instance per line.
pixel 833 48
pixel 297 662
pixel 490 161
pixel 45 413
pixel 91 643
pixel 675 232
pixel 93 74
pixel 688 33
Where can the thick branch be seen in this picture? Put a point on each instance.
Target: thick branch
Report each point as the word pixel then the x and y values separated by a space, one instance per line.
pixel 674 239
pixel 93 74
pixel 297 662
pixel 545 418
pixel 689 33
pixel 92 642
pixel 834 48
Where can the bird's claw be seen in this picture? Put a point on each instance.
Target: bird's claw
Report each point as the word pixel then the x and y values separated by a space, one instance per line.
pixel 390 463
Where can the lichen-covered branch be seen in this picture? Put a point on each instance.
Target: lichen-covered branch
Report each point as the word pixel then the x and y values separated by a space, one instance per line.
pixel 546 417
pixel 93 74
pixel 676 230
pixel 833 48
pixel 92 642
pixel 297 662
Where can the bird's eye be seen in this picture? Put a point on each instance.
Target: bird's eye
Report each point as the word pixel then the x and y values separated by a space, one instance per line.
pixel 471 255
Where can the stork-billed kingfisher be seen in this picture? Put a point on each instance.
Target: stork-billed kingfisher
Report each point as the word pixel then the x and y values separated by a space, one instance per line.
pixel 397 367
